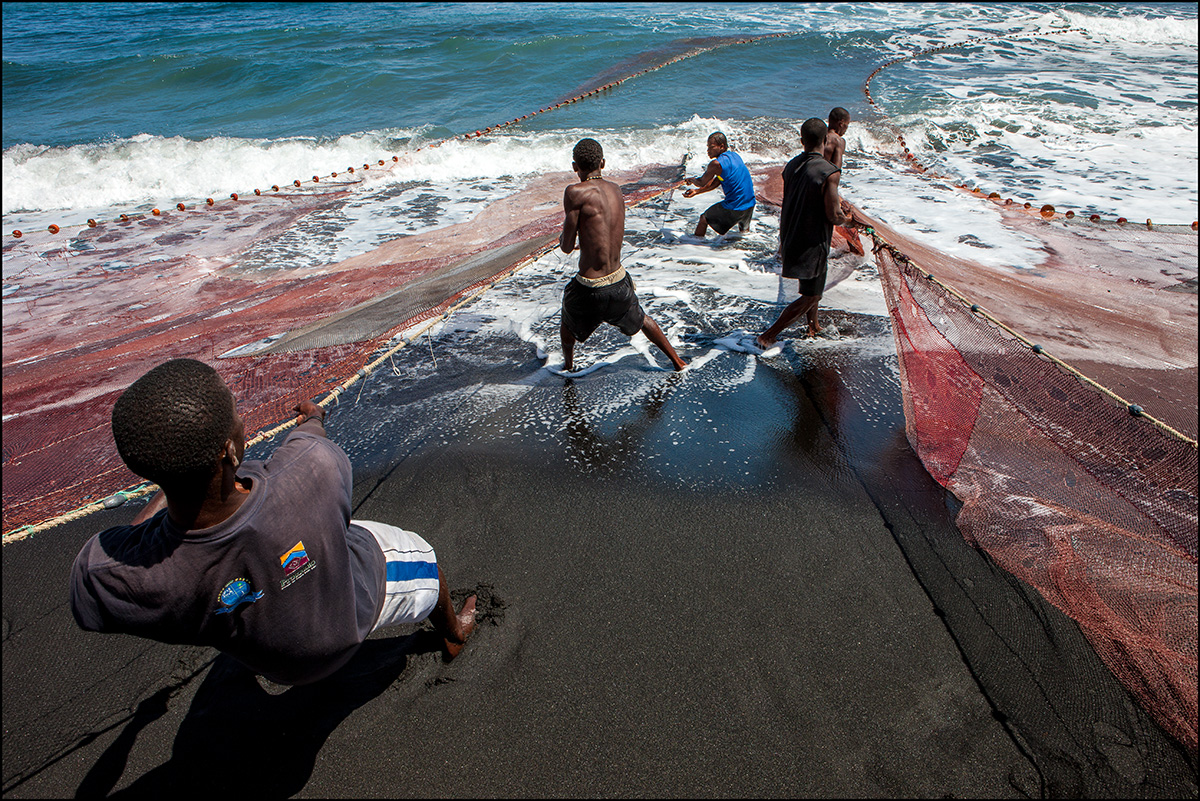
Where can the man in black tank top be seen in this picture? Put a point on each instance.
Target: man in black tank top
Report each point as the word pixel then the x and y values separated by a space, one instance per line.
pixel 811 207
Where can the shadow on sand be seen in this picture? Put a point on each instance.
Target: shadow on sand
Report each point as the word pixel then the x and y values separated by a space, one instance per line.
pixel 252 738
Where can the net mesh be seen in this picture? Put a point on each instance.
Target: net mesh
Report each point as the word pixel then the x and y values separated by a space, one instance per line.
pixel 275 337
pixel 1063 487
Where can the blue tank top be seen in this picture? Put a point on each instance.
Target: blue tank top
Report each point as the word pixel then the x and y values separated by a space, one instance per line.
pixel 735 181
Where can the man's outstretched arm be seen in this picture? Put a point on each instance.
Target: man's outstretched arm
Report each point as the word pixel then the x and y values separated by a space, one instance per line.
pixel 306 411
pixel 707 182
pixel 570 229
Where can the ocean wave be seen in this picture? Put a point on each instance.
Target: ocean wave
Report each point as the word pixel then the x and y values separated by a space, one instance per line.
pixel 147 169
pixel 1137 28
pixel 153 169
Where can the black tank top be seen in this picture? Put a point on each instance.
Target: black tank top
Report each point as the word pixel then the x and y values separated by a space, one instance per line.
pixel 804 229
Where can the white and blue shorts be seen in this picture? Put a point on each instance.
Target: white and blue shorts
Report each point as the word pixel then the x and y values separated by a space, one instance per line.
pixel 411 587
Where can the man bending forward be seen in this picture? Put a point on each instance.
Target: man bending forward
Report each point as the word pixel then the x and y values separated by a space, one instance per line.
pixel 258 559
pixel 601 292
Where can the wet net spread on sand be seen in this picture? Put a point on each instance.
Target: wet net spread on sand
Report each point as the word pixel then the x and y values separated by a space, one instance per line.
pixel 1061 485
pixel 273 338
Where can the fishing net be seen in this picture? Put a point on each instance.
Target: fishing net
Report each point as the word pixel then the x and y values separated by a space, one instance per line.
pixel 1060 484
pixel 122 297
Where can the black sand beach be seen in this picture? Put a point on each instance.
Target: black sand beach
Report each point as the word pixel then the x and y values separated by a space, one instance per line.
pixel 721 583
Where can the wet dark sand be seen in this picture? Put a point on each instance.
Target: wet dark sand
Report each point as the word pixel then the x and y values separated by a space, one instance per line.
pixel 773 603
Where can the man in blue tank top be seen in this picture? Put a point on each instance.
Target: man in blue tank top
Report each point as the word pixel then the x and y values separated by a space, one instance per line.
pixel 728 171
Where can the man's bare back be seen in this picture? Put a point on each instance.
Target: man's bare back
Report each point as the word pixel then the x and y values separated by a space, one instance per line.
pixel 596 215
pixel 602 291
pixel 835 146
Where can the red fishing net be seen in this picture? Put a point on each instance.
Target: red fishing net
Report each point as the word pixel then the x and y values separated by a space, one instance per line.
pixel 121 298
pixel 1061 485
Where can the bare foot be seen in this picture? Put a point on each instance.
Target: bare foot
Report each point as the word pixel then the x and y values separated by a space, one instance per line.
pixel 764 344
pixel 466 625
pixel 813 328
pixel 679 364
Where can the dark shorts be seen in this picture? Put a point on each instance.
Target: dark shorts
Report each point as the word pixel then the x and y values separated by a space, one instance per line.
pixel 810 267
pixel 815 285
pixel 721 219
pixel 584 308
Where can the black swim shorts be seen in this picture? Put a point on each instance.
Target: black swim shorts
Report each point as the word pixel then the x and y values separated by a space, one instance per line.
pixel 721 219
pixel 584 308
pixel 810 267
pixel 815 285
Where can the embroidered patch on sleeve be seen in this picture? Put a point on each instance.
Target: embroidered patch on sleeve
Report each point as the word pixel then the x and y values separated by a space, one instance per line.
pixel 295 563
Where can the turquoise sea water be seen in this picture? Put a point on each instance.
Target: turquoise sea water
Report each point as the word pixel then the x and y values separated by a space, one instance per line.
pixel 115 106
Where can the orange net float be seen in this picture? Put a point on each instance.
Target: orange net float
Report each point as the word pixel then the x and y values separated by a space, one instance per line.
pixel 91 223
pixel 381 162
pixel 334 175
pixel 296 182
pixel 350 169
pixel 1047 211
pixel 316 179
pixel 1194 225
pixel 1149 224
pixel 124 218
pixel 257 192
pixel 366 166
pixel 155 212
pixel 52 228
pixel 1095 218
pixel 275 187
pixel 209 201
pixel 396 159
pixel 234 196
pixel 180 206
pixel 1028 205
pixel 994 196
pixel 17 234
pixel 1121 221
pixel 1070 215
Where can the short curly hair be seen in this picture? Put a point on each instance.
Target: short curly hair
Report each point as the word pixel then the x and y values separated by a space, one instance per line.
pixel 588 154
pixel 813 132
pixel 171 425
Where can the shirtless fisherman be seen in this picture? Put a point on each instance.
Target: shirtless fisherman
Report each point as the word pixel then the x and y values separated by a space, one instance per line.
pixel 601 292
pixel 835 145
pixel 811 207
